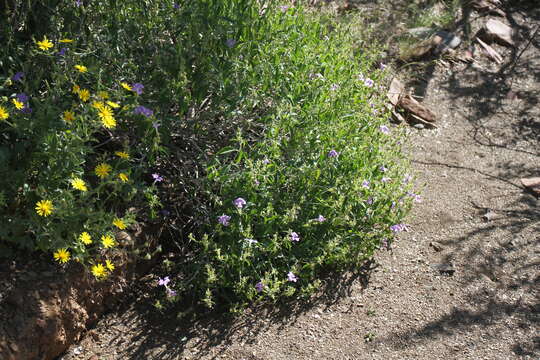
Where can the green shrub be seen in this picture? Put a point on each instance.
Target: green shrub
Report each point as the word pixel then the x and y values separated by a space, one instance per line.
pixel 314 182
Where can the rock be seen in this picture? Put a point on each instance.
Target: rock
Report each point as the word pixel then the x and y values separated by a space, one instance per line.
pixel 396 91
pixel 494 30
pixel 445 41
pixel 445 268
pixel 487 6
pixel 419 126
pixel 422 32
pixel 532 184
pixel 490 51
pixel 490 215
pixel 409 104
pixel 418 51
pixel 436 246
pixel 397 117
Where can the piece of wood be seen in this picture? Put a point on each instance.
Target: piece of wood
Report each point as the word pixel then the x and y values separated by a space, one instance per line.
pixel 396 91
pixel 409 104
pixel 490 51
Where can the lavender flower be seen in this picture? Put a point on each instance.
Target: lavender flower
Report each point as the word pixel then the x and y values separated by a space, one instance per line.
pixel 333 153
pixel 62 52
pixel 383 169
pixel 78 3
pixel 143 111
pixel 157 178
pixel 239 203
pixel 334 87
pixel 384 129
pixel 369 201
pixel 284 8
pixel 407 178
pixel 230 43
pixel 382 66
pixel 321 219
pixel 386 179
pixel 138 88
pixel 170 292
pixel 259 286
pixel 224 220
pixel 22 97
pixel 164 281
pixel 368 82
pixel 417 198
pixel 176 6
pixel 291 277
pixel 18 76
pixel 251 241
pixel 266 161
pixel 294 237
pixel 365 184
pixel 398 228
pixel 156 125
pixel 26 109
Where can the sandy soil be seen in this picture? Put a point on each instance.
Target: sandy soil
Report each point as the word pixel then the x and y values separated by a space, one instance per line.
pixel 475 219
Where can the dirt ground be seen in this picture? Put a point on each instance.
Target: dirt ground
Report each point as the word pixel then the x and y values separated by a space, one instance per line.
pixel 462 283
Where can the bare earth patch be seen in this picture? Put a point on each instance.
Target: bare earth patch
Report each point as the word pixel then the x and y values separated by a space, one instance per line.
pixel 461 284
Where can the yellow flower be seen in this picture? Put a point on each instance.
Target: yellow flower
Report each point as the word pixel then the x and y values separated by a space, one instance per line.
pixel 66 41
pixel 113 104
pixel 44 44
pixel 44 207
pixel 107 241
pixel 68 116
pixel 103 170
pixel 119 223
pixel 79 184
pixel 123 177
pixel 122 154
pixel 98 105
pixel 109 265
pixel 107 118
pixel 126 86
pixel 61 255
pixel 84 95
pixel 19 105
pixel 99 271
pixel 85 238
pixel 3 113
pixel 81 68
pixel 103 94
pixel 76 89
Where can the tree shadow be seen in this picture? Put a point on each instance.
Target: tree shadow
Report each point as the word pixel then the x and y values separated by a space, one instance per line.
pixel 162 335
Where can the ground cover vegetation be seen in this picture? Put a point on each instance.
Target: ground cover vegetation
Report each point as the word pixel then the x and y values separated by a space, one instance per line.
pixel 255 132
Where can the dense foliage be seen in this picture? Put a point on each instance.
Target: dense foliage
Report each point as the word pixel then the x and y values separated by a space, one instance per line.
pixel 259 125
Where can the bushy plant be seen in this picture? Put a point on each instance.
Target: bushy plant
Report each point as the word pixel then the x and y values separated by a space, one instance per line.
pixel 75 149
pixel 316 181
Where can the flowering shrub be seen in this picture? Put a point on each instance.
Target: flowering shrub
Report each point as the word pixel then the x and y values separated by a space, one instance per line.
pixel 74 151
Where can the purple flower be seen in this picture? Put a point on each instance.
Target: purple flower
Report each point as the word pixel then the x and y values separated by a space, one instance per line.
pixel 365 184
pixel 368 82
pixel 170 292
pixel 294 236
pixel 333 153
pixel 230 43
pixel 386 179
pixel 18 76
pixel 176 6
pixel 291 277
pixel 417 198
pixel 137 87
pixel 78 2
pixel 393 205
pixel 266 161
pixel 369 201
pixel 334 87
pixel 407 178
pixel 62 52
pixel 398 228
pixel 284 8
pixel 361 77
pixel 164 281
pixel 239 203
pixel 384 129
pixel 321 219
pixel 26 109
pixel 143 111
pixel 22 97
pixel 157 178
pixel 156 125
pixel 224 220
pixel 382 66
pixel 382 168
pixel 256 182
pixel 259 286
pixel 385 244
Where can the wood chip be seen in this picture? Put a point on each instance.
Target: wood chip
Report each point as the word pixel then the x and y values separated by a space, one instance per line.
pixel 396 90
pixel 409 104
pixel 499 32
pixel 532 184
pixel 490 51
